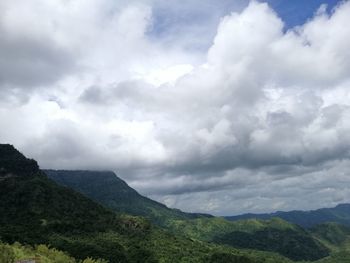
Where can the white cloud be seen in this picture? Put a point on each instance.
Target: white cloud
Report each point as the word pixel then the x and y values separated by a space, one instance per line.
pixel 265 110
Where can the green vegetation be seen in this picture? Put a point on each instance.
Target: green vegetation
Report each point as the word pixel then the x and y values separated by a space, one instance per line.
pixel 274 235
pixel 208 228
pixel 338 257
pixel 74 229
pixel 38 207
pixel 337 238
pixel 333 235
pixel 35 210
pixel 13 163
pixel 109 190
pixel 15 252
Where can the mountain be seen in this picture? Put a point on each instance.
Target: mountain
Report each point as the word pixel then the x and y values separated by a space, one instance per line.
pixel 13 163
pixel 35 210
pixel 275 235
pixel 111 191
pixel 337 238
pixel 333 235
pixel 339 214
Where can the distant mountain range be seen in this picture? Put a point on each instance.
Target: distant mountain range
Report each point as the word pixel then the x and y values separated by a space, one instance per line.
pixel 273 235
pixel 36 210
pixel 339 214
pixel 97 215
pixel 108 189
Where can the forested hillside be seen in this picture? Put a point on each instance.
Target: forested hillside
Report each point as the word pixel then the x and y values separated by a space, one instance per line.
pixel 111 191
pixel 274 235
pixel 35 210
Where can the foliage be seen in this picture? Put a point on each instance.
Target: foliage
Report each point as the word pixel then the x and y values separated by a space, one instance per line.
pixel 32 208
pixel 13 162
pixel 15 252
pixel 227 258
pixel 6 254
pixel 338 257
pixel 332 234
pixel 292 244
pixel 274 235
pixel 109 190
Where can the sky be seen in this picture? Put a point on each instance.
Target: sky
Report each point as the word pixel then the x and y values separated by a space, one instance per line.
pixel 222 107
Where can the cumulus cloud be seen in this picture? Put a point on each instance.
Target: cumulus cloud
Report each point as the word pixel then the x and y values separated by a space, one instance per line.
pixel 31 52
pixel 265 108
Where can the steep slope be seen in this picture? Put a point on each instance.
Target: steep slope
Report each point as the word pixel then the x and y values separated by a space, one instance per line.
pixel 13 163
pixel 339 214
pixel 109 190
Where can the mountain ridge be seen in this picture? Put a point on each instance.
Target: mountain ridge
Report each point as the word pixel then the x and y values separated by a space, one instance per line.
pixel 108 189
pixel 36 210
pixel 13 162
pixel 339 214
pixel 111 191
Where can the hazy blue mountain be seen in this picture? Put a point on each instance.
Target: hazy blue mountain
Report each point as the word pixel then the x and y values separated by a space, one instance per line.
pixel 339 214
pixel 111 191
